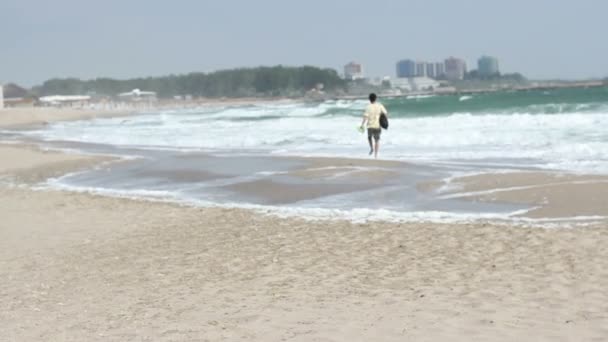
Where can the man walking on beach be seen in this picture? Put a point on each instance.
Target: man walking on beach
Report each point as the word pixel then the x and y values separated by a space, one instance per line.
pixel 372 116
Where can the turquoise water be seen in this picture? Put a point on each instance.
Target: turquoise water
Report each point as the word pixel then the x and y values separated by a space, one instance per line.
pixel 556 101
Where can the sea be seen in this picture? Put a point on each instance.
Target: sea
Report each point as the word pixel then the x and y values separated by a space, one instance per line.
pixel 557 130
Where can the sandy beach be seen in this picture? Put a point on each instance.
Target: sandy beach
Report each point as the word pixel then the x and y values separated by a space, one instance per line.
pixel 11 118
pixel 78 267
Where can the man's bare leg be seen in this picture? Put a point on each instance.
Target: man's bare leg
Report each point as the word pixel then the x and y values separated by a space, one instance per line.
pixel 371 145
pixel 376 149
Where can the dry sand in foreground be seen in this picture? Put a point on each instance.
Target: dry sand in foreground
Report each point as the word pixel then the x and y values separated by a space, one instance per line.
pixel 76 267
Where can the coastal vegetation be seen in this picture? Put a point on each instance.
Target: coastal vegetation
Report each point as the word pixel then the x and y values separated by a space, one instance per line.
pixel 242 82
pixel 12 90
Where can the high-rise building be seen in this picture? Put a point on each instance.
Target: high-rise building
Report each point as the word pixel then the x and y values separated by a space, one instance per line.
pixel 1 96
pixel 406 68
pixel 455 68
pixel 353 71
pixel 420 69
pixel 430 70
pixel 487 66
pixel 439 69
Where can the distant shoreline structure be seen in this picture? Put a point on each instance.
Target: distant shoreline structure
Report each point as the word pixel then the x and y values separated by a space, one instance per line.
pixel 171 104
pixel 455 91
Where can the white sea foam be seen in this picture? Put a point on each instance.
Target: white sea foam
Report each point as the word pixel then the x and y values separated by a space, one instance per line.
pixel 517 188
pixel 355 215
pixel 419 97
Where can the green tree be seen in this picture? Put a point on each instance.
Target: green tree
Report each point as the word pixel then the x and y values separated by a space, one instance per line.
pixel 261 81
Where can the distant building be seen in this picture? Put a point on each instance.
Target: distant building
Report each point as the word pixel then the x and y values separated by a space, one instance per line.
pixel 78 101
pixel 455 68
pixel 420 69
pixel 406 68
pixel 1 96
pixel 439 69
pixel 487 66
pixel 19 102
pixel 378 81
pixel 430 70
pixel 413 84
pixel 137 95
pixel 353 71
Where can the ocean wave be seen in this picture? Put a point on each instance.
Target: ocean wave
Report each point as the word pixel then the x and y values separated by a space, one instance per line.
pixel 537 135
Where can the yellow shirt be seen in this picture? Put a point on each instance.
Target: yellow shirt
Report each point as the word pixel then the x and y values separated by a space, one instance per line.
pixel 372 114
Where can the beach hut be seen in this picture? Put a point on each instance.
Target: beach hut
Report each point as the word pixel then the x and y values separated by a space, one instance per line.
pixel 138 95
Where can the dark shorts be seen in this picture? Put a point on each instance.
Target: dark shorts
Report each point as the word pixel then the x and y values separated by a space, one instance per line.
pixel 374 132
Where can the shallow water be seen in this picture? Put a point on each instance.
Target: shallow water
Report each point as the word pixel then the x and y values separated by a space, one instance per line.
pixel 253 156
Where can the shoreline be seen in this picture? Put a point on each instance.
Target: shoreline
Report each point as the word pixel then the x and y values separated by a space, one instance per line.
pixel 553 199
pixel 547 194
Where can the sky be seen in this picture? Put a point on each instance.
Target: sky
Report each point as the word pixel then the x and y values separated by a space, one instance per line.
pixel 543 39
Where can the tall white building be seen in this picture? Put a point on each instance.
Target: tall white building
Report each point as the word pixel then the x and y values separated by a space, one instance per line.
pixel 1 96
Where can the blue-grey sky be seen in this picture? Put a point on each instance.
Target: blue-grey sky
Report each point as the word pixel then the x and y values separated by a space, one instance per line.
pixel 127 38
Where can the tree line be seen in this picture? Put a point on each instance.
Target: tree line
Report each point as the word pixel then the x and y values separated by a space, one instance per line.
pixel 261 81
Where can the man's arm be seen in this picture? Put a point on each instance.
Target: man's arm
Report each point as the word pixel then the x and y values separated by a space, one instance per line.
pixel 365 117
pixel 364 120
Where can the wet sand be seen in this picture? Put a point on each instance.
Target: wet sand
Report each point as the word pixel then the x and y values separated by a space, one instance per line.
pixel 373 171
pixel 553 195
pixel 271 192
pixel 312 178
pixel 77 267
pixel 23 163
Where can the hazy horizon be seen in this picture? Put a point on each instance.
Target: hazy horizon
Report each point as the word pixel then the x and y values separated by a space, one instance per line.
pixel 65 38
